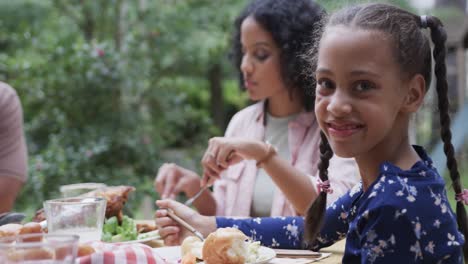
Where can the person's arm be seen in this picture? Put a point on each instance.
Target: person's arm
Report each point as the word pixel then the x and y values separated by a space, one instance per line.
pixel 275 232
pixel 171 232
pixel 336 222
pixel 13 153
pixel 9 188
pixel 173 179
pixel 343 174
pixel 223 152
pixel 296 185
pixel 205 203
pixel 287 232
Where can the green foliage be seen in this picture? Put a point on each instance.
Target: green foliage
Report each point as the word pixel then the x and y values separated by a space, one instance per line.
pixel 108 85
pixel 449 14
pixel 334 5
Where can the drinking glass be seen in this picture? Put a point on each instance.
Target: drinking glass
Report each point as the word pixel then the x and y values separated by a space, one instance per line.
pixel 77 189
pixel 39 249
pixel 76 216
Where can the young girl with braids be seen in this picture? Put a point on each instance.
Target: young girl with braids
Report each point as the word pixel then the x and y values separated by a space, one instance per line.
pixel 373 71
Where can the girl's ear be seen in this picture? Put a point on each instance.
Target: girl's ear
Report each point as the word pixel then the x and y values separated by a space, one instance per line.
pixel 415 94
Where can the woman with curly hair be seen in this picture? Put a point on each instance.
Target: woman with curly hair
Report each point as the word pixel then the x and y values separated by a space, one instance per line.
pixel 269 40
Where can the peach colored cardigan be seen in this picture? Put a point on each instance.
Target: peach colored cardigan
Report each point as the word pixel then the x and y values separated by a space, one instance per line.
pixel 234 192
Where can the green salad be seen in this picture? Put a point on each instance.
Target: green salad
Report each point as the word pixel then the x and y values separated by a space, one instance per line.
pixel 113 232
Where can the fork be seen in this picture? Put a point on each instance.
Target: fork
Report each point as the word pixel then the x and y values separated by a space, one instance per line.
pixel 179 220
pixel 191 200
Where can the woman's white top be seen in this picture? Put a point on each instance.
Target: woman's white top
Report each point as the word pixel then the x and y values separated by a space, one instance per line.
pixel 276 133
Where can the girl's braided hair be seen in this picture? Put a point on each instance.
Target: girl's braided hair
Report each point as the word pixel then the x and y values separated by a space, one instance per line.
pixel 413 53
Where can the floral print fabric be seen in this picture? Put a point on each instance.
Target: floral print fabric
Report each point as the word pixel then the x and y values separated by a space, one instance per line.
pixel 403 216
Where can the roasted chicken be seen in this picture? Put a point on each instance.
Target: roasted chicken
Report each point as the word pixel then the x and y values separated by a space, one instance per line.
pixel 116 197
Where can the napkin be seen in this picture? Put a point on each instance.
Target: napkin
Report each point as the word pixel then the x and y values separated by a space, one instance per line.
pixel 115 253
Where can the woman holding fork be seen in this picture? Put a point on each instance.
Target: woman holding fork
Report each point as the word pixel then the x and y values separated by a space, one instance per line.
pixel 267 49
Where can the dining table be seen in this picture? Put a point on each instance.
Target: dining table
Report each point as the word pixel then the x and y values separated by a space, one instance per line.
pixel 337 252
pixel 330 255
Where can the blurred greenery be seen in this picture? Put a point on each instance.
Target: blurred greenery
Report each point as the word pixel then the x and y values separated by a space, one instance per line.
pixel 333 5
pixel 111 89
pixel 108 86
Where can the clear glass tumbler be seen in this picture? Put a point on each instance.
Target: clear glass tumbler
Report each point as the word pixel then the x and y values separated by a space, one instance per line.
pixel 76 216
pixel 39 249
pixel 77 189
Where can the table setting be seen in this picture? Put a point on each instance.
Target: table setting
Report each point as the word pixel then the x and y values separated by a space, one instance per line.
pixel 87 226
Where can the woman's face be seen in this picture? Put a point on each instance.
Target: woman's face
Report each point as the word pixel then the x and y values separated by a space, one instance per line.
pixel 260 64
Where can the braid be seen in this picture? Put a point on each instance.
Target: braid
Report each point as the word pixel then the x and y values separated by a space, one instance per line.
pixel 439 36
pixel 315 213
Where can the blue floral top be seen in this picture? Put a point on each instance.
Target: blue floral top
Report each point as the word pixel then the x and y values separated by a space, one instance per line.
pixel 403 216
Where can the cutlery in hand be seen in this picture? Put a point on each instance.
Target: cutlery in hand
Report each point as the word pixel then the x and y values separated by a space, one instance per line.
pixel 186 225
pixel 191 200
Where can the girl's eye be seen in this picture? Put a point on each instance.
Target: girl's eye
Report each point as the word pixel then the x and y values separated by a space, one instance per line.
pixel 363 86
pixel 325 84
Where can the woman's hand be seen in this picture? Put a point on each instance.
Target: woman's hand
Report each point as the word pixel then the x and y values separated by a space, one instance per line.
pixel 173 179
pixel 223 152
pixel 171 231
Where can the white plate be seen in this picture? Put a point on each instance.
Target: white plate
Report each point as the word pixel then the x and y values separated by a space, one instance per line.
pixel 174 254
pixel 265 255
pixel 154 237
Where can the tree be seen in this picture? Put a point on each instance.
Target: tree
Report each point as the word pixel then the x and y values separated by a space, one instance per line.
pixel 103 99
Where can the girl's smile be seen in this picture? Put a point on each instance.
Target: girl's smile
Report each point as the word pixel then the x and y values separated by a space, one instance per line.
pixel 343 130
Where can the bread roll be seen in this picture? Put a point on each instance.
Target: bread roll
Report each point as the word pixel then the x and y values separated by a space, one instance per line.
pixel 192 245
pixel 30 254
pixel 85 250
pixel 10 230
pixel 188 259
pixel 31 228
pixel 227 246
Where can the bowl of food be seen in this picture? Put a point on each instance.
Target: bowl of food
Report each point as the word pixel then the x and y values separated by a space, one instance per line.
pixel 38 248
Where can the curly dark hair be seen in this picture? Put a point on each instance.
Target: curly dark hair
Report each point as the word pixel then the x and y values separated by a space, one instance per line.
pixel 292 25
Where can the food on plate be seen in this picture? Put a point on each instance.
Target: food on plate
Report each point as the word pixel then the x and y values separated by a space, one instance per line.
pixel 113 231
pixel 39 216
pixel 19 229
pixel 10 230
pixel 85 250
pixel 188 259
pixel 225 245
pixel 116 197
pixel 146 226
pixel 29 255
pixel 192 245
pixel 30 228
